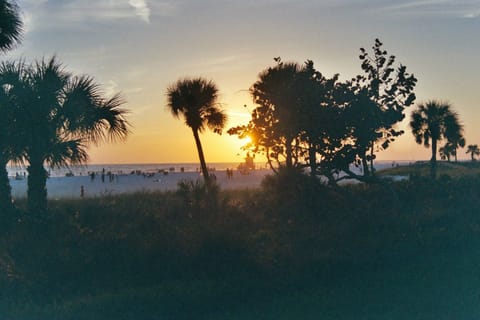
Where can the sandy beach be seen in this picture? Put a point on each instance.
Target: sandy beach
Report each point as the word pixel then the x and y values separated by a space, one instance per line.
pixel 70 187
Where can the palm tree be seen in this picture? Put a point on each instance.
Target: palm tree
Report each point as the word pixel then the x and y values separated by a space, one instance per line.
pixel 430 123
pixel 10 150
pixel 473 150
pixel 447 151
pixel 10 25
pixel 196 101
pixel 58 115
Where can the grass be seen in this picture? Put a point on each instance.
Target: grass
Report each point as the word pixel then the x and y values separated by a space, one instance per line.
pixel 292 250
pixel 451 169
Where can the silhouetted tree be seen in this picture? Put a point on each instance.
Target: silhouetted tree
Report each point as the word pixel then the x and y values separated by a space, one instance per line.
pixel 292 117
pixel 432 122
pixel 10 25
pixel 381 95
pixel 10 148
pixel 196 101
pixel 447 151
pixel 57 116
pixel 10 35
pixel 455 136
pixel 275 121
pixel 473 150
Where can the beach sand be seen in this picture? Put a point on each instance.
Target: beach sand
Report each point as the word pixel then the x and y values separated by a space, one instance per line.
pixel 70 187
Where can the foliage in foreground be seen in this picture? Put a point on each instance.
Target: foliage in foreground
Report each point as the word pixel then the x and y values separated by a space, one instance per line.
pixel 179 255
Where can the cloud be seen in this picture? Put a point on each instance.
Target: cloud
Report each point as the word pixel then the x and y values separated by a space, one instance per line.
pixel 39 13
pixel 452 8
pixel 472 15
pixel 141 9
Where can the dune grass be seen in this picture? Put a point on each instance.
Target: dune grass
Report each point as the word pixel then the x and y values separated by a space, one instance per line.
pixel 293 249
pixel 451 169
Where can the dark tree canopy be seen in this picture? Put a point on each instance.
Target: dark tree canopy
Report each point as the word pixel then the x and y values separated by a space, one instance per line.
pixel 11 26
pixel 304 119
pixel 382 93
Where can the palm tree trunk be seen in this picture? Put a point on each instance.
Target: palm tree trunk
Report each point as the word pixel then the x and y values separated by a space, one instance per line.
pixel 433 160
pixel 37 188
pixel 203 164
pixel 5 188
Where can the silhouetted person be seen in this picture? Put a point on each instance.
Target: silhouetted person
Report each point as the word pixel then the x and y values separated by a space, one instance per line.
pixel 82 191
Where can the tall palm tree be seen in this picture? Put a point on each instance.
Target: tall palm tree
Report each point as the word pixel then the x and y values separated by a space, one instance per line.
pixel 10 25
pixel 10 150
pixel 58 115
pixel 473 150
pixel 196 101
pixel 430 123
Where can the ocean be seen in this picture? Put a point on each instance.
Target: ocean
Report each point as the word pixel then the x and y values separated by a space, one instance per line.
pixel 128 168
pixel 161 167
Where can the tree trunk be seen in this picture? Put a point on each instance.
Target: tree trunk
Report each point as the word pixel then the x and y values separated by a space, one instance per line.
pixel 288 151
pixel 37 188
pixel 269 160
pixel 372 169
pixel 203 164
pixel 6 204
pixel 312 159
pixel 366 170
pixel 433 160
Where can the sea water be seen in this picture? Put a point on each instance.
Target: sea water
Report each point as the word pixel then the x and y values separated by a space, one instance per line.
pixel 83 170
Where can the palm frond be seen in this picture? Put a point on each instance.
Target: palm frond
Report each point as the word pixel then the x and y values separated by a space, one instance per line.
pixel 11 26
pixel 63 153
pixel 193 99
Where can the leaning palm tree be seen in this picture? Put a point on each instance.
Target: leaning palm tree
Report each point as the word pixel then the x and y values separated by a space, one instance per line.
pixel 58 115
pixel 196 101
pixel 432 122
pixel 10 25
pixel 473 150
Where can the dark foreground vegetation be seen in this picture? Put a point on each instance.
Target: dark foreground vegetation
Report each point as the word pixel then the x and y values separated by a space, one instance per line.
pixel 293 250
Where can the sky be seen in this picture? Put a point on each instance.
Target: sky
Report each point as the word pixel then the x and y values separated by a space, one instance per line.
pixel 140 47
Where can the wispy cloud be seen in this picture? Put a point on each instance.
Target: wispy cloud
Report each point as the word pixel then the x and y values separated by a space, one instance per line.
pixel 452 8
pixel 141 9
pixel 472 14
pixel 68 12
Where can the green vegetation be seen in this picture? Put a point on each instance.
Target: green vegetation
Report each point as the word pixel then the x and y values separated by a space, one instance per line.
pixel 444 169
pixel 293 249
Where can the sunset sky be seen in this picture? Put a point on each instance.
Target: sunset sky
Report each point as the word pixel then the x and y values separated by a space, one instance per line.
pixel 139 47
